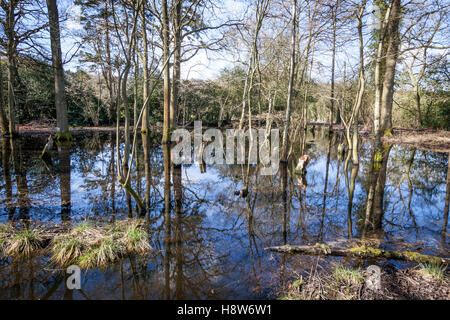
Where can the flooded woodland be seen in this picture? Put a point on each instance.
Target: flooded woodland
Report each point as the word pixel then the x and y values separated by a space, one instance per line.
pixel 207 242
pixel 320 150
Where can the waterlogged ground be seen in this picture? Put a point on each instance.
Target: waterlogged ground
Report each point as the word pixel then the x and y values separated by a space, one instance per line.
pixel 213 247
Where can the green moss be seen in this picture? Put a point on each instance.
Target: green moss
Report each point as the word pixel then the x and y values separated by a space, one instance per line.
pixel 421 258
pixel 63 136
pixel 326 249
pixel 388 132
pixel 367 251
pixel 378 156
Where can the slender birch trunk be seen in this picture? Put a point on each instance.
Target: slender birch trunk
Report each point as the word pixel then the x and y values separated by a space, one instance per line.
pixel 291 82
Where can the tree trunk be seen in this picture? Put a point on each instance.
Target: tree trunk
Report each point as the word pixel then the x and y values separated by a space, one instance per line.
pixel 291 82
pixel 333 63
pixel 362 252
pixel 11 53
pixel 62 124
pixel 176 63
pixel 144 126
pixel 393 43
pixel 166 56
pixel 3 120
pixel 417 101
pixel 109 76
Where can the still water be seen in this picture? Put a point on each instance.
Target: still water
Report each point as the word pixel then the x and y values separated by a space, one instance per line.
pixel 210 243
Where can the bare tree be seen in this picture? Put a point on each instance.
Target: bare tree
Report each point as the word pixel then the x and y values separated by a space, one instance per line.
pixel 291 82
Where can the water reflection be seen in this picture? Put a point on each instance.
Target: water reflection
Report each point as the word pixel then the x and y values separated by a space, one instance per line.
pixel 208 242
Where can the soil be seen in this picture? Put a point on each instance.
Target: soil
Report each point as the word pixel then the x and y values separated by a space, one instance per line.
pixel 434 140
pixel 396 284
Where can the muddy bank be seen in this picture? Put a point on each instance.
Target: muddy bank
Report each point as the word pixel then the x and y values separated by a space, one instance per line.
pixel 433 140
pixel 427 139
pixel 423 282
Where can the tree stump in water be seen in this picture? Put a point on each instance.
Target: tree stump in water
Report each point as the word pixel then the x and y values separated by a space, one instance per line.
pixel 301 165
pixel 48 146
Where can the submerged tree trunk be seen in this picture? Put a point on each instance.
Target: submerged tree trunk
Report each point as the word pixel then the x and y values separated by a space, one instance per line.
pixel 62 124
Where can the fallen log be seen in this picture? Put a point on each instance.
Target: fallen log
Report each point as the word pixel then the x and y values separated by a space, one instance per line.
pixel 361 252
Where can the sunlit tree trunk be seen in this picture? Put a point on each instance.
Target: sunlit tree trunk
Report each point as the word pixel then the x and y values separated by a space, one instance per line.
pixel 177 25
pixel 109 75
pixel 11 53
pixel 145 120
pixel 261 10
pixel 334 9
pixel 393 43
pixel 291 82
pixel 166 56
pixel 387 56
pixel 62 124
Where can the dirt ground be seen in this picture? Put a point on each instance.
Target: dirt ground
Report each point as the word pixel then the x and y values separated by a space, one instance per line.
pixel 396 284
pixel 434 140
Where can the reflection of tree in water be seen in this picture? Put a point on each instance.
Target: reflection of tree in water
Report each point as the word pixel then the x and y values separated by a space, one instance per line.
pixel 64 179
pixel 372 223
pixel 209 243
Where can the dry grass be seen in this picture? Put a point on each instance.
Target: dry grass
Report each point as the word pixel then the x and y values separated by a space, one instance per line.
pixel 19 243
pixel 91 246
pixel 85 244
pixel 340 283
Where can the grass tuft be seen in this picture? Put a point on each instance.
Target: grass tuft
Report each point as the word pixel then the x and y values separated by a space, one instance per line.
pixel 434 271
pixel 91 246
pixel 348 277
pixel 23 243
